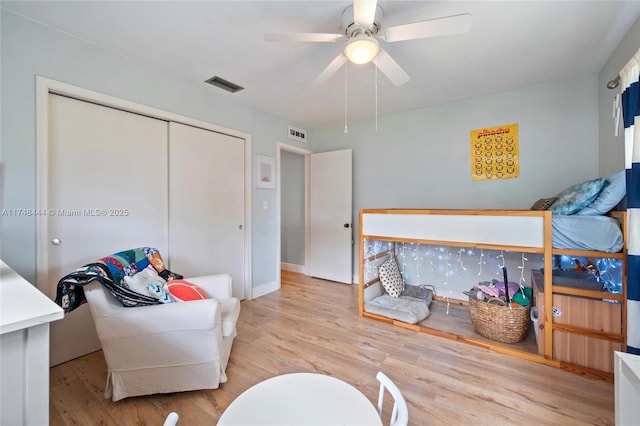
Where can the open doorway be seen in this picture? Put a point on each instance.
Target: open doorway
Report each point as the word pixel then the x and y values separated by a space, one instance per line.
pixel 328 239
pixel 293 202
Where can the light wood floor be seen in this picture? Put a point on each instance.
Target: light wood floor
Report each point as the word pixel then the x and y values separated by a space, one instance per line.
pixel 312 325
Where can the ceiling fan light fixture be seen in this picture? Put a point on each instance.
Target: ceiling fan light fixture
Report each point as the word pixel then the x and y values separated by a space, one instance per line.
pixel 361 49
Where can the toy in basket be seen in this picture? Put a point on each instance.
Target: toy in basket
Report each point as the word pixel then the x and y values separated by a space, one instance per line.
pixel 500 312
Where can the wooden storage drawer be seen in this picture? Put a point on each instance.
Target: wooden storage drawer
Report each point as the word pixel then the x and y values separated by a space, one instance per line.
pixel 585 351
pixel 582 327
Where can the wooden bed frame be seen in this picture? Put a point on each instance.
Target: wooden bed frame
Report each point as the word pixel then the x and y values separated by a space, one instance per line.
pixel 524 231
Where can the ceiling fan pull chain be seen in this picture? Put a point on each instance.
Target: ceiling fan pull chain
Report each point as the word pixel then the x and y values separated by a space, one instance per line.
pixel 376 68
pixel 346 69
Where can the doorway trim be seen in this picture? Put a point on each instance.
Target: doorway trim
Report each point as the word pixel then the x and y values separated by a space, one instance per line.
pixel 306 153
pixel 45 86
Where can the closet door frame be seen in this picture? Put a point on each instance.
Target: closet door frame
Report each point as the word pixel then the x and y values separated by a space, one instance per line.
pixel 45 86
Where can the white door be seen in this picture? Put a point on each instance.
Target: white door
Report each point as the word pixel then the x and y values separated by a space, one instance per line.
pixel 106 192
pixel 206 204
pixel 330 216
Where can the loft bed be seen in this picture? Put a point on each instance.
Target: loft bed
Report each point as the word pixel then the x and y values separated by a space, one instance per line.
pixel 571 342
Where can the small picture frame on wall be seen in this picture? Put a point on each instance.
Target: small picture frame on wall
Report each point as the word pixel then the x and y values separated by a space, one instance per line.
pixel 265 172
pixel 296 134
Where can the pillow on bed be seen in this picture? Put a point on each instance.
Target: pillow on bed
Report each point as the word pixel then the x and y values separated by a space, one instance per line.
pixel 543 203
pixel 609 197
pixel 578 196
pixel 390 277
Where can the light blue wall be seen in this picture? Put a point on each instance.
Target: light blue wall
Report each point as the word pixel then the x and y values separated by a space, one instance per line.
pixel 421 159
pixel 29 49
pixel 611 149
pixel 292 207
pixel 415 159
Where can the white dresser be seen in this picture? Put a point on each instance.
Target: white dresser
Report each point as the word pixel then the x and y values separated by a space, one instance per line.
pixel 25 314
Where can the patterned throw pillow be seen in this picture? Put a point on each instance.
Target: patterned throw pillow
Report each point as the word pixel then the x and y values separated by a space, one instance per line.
pixel 390 277
pixel 543 203
pixel 140 282
pixel 162 295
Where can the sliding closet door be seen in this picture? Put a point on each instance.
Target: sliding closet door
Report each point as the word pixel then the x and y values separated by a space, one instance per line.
pixel 206 204
pixel 106 192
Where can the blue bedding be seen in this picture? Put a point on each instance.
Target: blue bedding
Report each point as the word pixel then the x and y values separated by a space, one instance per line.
pixel 600 233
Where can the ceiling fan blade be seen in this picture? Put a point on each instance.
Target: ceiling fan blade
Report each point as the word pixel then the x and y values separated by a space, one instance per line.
pixel 304 37
pixel 330 70
pixel 390 68
pixel 456 24
pixel 364 12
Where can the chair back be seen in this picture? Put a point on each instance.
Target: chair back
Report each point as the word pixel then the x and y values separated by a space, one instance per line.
pixel 172 419
pixel 400 413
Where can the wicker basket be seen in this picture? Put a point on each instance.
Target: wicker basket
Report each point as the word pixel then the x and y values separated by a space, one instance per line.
pixel 496 321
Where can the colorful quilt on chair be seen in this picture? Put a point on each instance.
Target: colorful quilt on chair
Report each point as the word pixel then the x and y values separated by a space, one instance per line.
pixel 110 271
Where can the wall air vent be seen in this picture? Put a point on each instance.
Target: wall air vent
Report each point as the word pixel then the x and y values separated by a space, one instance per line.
pixel 224 84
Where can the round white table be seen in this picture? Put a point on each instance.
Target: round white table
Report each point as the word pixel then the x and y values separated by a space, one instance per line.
pixel 301 399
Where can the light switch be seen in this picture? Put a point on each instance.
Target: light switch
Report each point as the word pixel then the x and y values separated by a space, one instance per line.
pixel 265 205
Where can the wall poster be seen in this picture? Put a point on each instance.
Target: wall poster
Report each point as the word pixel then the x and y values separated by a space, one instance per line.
pixel 494 153
pixel 265 172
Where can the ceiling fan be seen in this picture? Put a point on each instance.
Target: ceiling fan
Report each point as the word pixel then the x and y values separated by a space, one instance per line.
pixel 362 32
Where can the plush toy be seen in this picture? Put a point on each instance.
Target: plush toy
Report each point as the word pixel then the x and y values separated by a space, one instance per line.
pixel 485 290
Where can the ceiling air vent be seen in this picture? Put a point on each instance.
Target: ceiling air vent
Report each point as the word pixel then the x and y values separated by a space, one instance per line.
pixel 224 84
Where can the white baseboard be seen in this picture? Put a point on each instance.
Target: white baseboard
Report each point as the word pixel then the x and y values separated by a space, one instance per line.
pixel 263 289
pixel 292 267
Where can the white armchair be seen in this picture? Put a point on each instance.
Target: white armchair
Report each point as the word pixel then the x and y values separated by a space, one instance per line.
pixel 166 348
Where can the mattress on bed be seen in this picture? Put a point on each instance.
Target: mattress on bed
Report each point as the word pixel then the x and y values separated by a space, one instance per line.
pixel 600 233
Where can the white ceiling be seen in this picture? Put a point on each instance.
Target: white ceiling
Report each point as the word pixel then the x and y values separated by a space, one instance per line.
pixel 511 45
